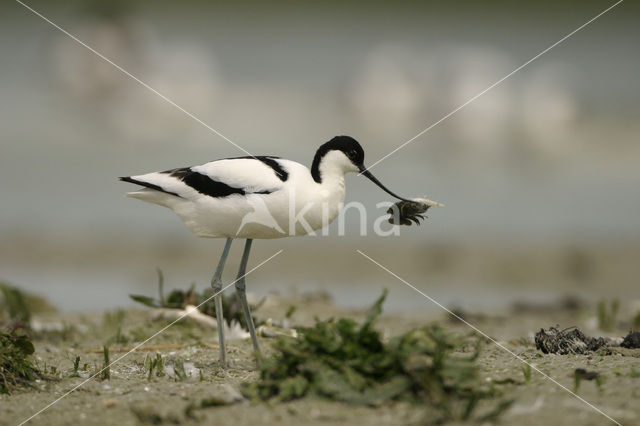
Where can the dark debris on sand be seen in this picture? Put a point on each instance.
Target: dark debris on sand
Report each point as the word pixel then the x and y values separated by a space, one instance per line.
pixel 583 374
pixel 568 341
pixel 631 340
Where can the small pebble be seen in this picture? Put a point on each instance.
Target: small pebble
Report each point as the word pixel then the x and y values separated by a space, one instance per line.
pixel 109 402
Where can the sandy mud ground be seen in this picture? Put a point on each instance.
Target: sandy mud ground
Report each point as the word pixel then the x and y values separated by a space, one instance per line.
pixel 130 397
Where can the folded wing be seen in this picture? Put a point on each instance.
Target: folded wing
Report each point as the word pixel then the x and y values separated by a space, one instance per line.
pixel 217 179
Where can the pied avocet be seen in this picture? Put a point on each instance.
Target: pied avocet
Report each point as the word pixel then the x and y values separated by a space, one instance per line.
pixel 255 197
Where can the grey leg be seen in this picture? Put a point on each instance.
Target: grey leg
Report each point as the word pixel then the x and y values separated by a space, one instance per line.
pixel 216 284
pixel 242 295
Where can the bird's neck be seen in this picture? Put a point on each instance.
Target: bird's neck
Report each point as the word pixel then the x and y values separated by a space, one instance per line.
pixel 329 175
pixel 315 166
pixel 327 167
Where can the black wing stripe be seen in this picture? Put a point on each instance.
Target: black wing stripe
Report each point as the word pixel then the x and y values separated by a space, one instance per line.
pixel 147 185
pixel 277 168
pixel 205 185
pixel 269 161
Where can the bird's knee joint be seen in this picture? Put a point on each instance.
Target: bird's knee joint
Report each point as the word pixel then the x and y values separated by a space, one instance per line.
pixel 216 284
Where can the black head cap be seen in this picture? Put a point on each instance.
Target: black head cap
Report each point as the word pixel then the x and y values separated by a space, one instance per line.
pixel 348 145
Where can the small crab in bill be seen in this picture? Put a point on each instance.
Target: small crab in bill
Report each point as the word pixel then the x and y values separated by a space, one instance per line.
pixel 406 211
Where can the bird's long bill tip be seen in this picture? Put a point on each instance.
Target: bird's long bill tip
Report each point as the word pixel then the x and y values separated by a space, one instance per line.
pixel 372 178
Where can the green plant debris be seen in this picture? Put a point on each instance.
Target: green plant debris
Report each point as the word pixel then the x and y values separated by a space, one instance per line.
pixel 154 364
pixel 292 309
pixel 16 369
pixel 146 300
pixel 349 362
pixel 15 304
pixel 576 383
pixel 179 299
pixel 600 382
pixel 18 306
pixel 76 367
pixel 526 371
pixel 581 374
pixel 607 317
pixel 105 372
pixel 178 368
pixel 632 373
pixel 114 321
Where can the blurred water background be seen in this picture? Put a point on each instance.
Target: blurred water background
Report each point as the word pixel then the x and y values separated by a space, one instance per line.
pixel 540 175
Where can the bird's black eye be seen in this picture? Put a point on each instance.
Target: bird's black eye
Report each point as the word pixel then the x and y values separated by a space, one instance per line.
pixel 352 154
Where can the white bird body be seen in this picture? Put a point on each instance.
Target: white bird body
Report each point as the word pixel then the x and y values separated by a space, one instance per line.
pixel 272 198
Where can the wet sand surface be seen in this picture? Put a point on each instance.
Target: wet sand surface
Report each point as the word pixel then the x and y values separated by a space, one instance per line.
pixel 130 397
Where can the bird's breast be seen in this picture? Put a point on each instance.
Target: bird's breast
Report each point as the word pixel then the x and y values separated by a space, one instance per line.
pixel 312 207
